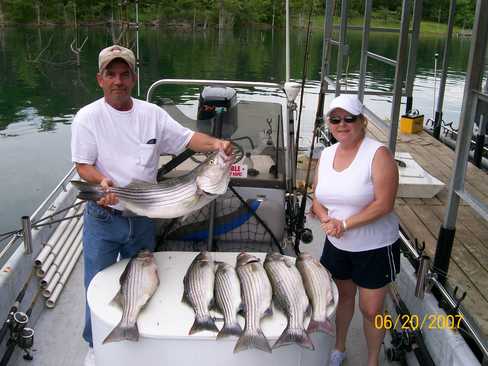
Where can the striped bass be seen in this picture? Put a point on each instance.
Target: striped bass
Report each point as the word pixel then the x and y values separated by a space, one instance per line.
pixel 256 296
pixel 170 198
pixel 228 298
pixel 289 294
pixel 138 283
pixel 198 291
pixel 318 286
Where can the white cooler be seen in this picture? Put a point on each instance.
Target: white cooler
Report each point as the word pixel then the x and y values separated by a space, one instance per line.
pixel 165 322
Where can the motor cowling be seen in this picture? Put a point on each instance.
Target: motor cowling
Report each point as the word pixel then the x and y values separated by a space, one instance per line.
pixel 217 111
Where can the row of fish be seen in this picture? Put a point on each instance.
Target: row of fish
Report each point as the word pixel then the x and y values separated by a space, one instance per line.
pixel 298 289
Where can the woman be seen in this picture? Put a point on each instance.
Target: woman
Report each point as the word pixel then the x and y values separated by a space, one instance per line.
pixel 355 188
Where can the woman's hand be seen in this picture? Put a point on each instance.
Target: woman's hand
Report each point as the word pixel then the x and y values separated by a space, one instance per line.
pixel 333 227
pixel 110 198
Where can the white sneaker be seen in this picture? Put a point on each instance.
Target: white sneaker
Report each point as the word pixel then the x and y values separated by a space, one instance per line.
pixel 90 357
pixel 336 358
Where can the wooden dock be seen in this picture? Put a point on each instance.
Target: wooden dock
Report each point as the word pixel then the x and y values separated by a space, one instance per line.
pixel 422 219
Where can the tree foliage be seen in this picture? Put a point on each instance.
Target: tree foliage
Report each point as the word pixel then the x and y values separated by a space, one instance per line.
pixel 207 11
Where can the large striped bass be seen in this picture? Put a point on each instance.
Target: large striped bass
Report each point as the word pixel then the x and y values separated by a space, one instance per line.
pixel 199 290
pixel 170 198
pixel 289 294
pixel 318 285
pixel 228 298
pixel 138 283
pixel 256 296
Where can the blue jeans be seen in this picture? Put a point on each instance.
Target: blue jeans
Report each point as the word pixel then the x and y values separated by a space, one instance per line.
pixel 106 235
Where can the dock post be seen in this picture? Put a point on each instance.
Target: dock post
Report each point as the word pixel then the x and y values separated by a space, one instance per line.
pixel 471 97
pixel 368 6
pixel 443 253
pixel 482 130
pixel 342 48
pixel 27 234
pixel 400 70
pixel 445 64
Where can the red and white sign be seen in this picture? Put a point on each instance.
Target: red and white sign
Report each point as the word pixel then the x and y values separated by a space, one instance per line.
pixel 238 170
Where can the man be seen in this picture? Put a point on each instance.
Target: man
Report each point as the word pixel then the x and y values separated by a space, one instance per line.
pixel 115 140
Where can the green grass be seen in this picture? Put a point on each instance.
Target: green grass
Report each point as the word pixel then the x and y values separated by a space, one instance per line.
pixel 426 27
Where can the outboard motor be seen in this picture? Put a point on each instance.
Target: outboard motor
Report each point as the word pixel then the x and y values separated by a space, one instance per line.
pixel 217 111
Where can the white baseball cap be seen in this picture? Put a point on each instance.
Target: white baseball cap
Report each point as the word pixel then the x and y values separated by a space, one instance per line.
pixel 107 55
pixel 349 103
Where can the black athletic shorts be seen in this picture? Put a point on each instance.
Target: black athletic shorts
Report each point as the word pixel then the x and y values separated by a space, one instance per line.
pixel 369 269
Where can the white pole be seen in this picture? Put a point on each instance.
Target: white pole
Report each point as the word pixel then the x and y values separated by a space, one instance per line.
pixel 287 46
pixel 137 50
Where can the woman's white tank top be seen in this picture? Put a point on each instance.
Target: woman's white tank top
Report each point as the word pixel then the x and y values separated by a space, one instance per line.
pixel 347 192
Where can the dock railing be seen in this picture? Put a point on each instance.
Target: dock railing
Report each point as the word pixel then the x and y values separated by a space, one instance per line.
pixel 474 99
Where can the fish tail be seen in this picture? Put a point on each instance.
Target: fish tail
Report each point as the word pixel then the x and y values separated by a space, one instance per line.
pixel 123 333
pixel 205 323
pixel 252 340
pixel 318 326
pixel 230 329
pixel 298 336
pixel 90 192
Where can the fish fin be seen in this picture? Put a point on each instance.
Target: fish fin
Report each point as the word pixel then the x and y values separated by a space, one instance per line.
pixel 128 213
pixel 213 306
pixel 123 333
pixel 118 299
pixel 298 336
pixel 185 217
pixel 248 340
pixel 230 329
pixel 89 196
pixel 289 262
pixel 88 191
pixel 317 326
pixel 308 311
pixel 268 312
pixel 138 184
pixel 185 300
pixel 200 324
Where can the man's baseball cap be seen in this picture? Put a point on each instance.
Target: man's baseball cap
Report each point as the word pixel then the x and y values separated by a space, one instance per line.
pixel 349 103
pixel 107 55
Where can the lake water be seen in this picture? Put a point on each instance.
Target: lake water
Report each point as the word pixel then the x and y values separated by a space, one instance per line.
pixel 41 88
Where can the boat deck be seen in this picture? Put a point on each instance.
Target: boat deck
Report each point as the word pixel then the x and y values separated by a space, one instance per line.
pixel 422 218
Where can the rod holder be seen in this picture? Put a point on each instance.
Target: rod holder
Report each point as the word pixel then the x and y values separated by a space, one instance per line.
pixel 422 276
pixel 27 233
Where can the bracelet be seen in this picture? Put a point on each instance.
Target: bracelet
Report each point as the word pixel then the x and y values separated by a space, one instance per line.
pixel 344 225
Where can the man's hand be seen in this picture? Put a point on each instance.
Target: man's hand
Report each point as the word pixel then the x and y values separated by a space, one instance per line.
pixel 110 198
pixel 225 146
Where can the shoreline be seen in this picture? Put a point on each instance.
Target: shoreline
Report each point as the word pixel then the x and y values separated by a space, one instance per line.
pixel 427 27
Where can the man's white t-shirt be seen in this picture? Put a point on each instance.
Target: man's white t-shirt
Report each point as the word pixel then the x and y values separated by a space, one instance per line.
pixel 126 145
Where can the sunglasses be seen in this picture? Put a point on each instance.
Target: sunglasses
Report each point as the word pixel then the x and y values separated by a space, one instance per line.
pixel 350 118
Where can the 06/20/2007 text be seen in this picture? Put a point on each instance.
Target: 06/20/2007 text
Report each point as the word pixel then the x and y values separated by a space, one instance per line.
pixel 417 322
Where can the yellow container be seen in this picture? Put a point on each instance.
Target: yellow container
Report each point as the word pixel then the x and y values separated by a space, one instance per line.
pixel 411 123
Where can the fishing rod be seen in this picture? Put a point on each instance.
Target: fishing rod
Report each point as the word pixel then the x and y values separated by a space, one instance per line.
pixel 301 233
pixel 306 58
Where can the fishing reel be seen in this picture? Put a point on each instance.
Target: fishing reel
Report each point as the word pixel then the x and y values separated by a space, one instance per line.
pixel 20 335
pixel 401 344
